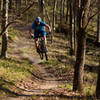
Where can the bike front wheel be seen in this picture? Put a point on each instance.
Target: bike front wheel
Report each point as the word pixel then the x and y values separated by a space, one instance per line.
pixel 41 56
pixel 46 56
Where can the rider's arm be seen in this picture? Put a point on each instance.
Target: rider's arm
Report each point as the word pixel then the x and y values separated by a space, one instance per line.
pixel 48 27
pixel 30 31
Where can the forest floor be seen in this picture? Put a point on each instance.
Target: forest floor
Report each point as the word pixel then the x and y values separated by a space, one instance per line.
pixel 36 79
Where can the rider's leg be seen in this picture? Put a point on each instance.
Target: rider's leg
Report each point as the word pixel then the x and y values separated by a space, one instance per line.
pixel 36 45
pixel 36 42
pixel 44 36
pixel 45 40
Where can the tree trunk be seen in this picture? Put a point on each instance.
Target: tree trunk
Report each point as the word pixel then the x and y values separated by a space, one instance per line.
pixel 98 39
pixel 54 15
pixel 1 5
pixel 10 4
pixel 80 60
pixel 67 12
pixel 57 14
pixel 4 23
pixel 98 84
pixel 98 23
pixel 83 9
pixel 71 33
pixel 75 14
pixel 18 4
pixel 42 9
pixel 63 9
pixel 61 16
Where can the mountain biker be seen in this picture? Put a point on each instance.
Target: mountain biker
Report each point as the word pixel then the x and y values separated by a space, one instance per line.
pixel 38 27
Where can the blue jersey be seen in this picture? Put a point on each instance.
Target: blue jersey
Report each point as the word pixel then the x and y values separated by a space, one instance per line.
pixel 38 27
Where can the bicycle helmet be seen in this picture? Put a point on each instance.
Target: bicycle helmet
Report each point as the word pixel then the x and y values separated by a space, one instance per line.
pixel 38 19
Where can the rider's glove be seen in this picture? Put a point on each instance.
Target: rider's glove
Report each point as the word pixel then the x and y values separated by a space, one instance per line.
pixel 49 32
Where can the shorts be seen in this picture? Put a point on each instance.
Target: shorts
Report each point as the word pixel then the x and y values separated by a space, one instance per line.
pixel 39 34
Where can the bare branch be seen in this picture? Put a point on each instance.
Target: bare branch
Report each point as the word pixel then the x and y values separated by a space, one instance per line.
pixel 89 19
pixel 4 29
pixel 19 15
pixel 15 20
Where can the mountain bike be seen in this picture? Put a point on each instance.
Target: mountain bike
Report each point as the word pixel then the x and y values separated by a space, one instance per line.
pixel 42 48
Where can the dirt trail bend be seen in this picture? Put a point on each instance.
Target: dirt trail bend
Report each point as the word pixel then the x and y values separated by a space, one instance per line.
pixel 24 49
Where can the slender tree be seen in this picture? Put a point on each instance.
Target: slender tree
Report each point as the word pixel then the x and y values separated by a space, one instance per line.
pixel 54 15
pixel 67 11
pixel 42 8
pixel 18 4
pixel 10 4
pixel 75 14
pixel 98 84
pixel 5 34
pixel 71 32
pixel 98 39
pixel 98 23
pixel 83 8
pixel 61 10
pixel 5 25
pixel 57 12
pixel 64 2
pixel 1 4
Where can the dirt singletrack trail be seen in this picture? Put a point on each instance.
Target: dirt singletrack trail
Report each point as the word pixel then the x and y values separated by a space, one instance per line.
pixel 24 49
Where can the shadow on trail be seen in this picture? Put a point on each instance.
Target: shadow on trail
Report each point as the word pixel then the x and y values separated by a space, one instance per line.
pixel 65 97
pixel 13 60
pixel 54 97
pixel 65 60
pixel 4 86
pixel 93 69
pixel 38 77
pixel 8 91
pixel 36 92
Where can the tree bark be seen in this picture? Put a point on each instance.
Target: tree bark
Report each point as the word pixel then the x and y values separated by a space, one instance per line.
pixel 42 9
pixel 98 23
pixel 57 12
pixel 1 5
pixel 5 35
pixel 71 32
pixel 98 39
pixel 80 60
pixel 54 15
pixel 10 4
pixel 98 84
pixel 75 14
pixel 18 4
pixel 67 12
pixel 61 9
pixel 83 9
